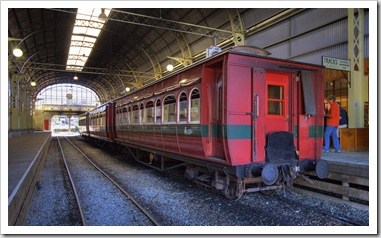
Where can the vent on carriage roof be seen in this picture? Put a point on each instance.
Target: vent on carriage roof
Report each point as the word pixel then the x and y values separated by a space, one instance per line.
pixel 87 27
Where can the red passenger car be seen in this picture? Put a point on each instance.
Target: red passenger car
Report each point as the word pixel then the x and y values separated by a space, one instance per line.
pixel 240 121
pixel 99 123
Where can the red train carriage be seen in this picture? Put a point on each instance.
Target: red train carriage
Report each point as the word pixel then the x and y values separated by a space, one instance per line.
pixel 99 123
pixel 241 121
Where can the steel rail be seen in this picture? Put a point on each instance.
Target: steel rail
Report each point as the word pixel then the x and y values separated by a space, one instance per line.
pixel 145 212
pixel 72 184
pixel 340 218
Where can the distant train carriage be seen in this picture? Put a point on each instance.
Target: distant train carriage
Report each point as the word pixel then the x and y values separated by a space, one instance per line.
pixel 99 123
pixel 83 124
pixel 240 121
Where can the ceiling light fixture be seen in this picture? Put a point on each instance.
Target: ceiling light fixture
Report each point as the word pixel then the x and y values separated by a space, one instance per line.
pixel 102 16
pixel 169 67
pixel 17 52
pixel 75 77
pixel 128 89
pixel 33 83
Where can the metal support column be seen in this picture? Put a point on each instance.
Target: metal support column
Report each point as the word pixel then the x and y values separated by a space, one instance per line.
pixel 357 93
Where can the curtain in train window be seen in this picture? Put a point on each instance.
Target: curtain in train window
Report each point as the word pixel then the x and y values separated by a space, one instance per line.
pixel 275 100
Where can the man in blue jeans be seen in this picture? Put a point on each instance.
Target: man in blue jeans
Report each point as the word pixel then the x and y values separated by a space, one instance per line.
pixel 333 118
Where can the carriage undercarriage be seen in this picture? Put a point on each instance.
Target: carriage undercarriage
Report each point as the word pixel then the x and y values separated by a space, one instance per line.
pixel 232 187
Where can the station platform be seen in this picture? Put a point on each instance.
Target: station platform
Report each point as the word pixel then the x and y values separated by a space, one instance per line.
pixel 361 157
pixel 26 156
pixel 350 163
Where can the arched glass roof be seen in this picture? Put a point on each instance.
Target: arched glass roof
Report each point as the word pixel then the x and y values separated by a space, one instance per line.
pixel 67 94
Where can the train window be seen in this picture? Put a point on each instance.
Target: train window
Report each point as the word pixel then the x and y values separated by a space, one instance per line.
pixel 170 109
pixel 135 114
pixel 149 112
pixel 129 116
pixel 195 106
pixel 124 116
pixel 183 107
pixel 275 100
pixel 158 111
pixel 141 113
pixel 117 117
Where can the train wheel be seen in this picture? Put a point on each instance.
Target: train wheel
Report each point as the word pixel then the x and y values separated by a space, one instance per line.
pixel 234 191
pixel 267 192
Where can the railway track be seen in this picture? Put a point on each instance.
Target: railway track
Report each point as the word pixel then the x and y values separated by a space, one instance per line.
pixel 77 192
pixel 316 210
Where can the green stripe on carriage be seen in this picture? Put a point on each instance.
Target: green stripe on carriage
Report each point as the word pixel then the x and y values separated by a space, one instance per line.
pixel 237 132
pixel 315 131
pixel 230 132
pixel 221 131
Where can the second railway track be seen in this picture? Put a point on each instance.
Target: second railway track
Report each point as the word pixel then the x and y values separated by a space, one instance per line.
pixel 173 201
pixel 102 201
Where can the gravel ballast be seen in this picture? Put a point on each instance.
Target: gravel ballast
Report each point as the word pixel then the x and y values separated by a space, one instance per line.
pixel 179 202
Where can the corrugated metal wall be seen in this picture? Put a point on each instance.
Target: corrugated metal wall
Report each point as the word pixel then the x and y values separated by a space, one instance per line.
pixel 306 36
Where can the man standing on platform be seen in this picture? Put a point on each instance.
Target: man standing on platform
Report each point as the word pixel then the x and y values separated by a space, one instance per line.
pixel 333 118
pixel 343 123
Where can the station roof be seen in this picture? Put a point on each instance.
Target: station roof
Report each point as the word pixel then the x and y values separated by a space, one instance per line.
pixel 133 48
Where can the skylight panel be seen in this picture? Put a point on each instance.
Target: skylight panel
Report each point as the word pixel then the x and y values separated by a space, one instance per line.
pixel 86 30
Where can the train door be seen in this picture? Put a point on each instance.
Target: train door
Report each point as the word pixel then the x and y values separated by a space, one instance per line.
pixel 218 150
pixel 213 117
pixel 110 121
pixel 278 108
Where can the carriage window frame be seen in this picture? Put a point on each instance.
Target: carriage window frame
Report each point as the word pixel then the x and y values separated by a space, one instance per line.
pixel 141 112
pixel 192 108
pixel 152 113
pixel 158 114
pixel 171 117
pixel 129 115
pixel 180 107
pixel 125 119
pixel 135 114
pixel 279 101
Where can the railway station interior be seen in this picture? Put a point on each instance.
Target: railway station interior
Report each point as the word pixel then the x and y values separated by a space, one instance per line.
pixel 63 62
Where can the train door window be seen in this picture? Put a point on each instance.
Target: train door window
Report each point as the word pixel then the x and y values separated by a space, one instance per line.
pixel 195 106
pixel 124 116
pixel 275 100
pixel 149 112
pixel 170 109
pixel 158 111
pixel 183 107
pixel 219 101
pixel 135 114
